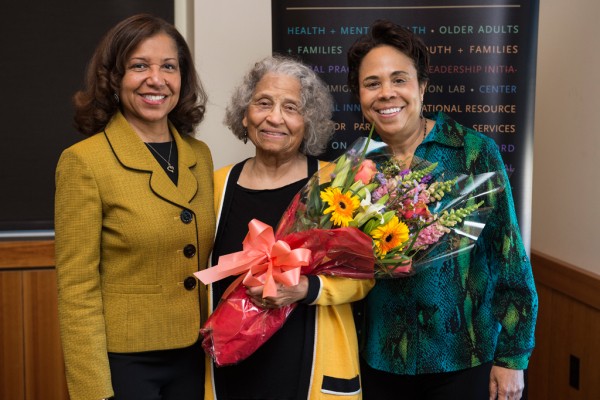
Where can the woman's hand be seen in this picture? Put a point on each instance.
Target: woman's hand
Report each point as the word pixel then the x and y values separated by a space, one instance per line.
pixel 286 295
pixel 506 384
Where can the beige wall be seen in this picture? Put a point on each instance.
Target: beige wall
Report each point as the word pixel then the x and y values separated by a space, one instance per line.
pixel 566 178
pixel 231 34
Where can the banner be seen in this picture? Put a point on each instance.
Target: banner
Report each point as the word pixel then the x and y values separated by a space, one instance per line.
pixel 482 74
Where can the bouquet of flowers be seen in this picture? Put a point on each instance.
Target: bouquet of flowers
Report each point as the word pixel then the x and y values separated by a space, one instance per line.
pixel 413 216
pixel 363 216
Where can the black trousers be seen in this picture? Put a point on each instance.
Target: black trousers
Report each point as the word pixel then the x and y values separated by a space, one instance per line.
pixel 158 375
pixel 468 384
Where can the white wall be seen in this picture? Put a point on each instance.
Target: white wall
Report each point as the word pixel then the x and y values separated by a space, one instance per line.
pixel 231 34
pixel 566 178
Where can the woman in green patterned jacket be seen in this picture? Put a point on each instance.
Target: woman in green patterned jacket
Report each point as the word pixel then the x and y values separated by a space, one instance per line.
pixel 463 328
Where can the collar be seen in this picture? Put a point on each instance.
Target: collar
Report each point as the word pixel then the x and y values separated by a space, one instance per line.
pixel 132 153
pixel 446 131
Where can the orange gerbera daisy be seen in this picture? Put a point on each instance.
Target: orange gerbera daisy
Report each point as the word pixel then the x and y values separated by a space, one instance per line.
pixel 389 236
pixel 341 205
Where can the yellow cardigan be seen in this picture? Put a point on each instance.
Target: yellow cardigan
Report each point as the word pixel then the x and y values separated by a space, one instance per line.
pixel 335 355
pixel 125 245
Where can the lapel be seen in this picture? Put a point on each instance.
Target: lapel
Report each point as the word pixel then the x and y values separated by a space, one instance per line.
pixel 132 153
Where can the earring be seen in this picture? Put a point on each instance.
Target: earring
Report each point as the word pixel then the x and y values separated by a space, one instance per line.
pixel 421 112
pixel 116 96
pixel 245 138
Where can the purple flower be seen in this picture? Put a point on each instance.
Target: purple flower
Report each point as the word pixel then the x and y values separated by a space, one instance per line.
pixel 426 178
pixel 380 177
pixel 379 193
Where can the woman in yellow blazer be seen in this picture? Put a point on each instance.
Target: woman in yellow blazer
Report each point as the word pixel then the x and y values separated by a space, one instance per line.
pixel 134 220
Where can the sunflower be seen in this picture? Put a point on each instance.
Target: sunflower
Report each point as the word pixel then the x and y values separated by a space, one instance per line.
pixel 341 205
pixel 389 236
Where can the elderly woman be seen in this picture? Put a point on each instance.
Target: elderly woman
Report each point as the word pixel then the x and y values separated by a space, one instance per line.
pixel 134 220
pixel 463 329
pixel 284 110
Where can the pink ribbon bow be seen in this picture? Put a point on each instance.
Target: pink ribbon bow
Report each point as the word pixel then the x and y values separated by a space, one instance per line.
pixel 265 261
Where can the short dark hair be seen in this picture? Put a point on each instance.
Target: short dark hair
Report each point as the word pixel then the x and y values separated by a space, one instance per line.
pixel 95 104
pixel 387 33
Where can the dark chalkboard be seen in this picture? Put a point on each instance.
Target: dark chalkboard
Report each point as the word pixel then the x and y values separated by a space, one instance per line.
pixel 45 48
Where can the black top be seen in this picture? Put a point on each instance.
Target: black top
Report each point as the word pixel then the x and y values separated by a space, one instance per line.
pixel 164 148
pixel 277 369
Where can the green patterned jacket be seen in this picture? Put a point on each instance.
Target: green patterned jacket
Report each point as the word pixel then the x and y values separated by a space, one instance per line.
pixel 462 312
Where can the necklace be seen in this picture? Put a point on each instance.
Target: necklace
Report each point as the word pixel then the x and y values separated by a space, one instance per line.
pixel 424 127
pixel 170 167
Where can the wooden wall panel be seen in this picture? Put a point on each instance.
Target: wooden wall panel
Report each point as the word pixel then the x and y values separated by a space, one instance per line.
pixel 31 362
pixel 580 284
pixel 23 254
pixel 578 335
pixel 44 367
pixel 590 375
pixel 11 336
pixel 568 326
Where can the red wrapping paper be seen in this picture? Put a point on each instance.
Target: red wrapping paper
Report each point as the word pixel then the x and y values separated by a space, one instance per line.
pixel 237 327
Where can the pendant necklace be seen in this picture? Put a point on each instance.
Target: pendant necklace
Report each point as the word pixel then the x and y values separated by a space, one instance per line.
pixel 170 167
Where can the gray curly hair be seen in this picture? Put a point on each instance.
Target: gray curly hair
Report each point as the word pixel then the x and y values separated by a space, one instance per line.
pixel 316 101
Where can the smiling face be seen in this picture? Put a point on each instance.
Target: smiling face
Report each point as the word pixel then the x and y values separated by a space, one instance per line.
pixel 390 93
pixel 274 117
pixel 151 84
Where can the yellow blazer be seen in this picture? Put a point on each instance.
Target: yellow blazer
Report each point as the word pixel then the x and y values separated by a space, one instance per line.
pixel 127 243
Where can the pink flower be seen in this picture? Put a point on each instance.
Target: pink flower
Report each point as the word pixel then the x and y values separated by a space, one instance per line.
pixel 366 172
pixel 430 235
